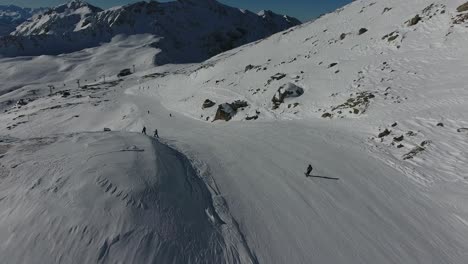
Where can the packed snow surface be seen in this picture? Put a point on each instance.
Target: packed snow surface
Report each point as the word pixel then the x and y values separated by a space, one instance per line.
pixel 378 106
pixel 107 198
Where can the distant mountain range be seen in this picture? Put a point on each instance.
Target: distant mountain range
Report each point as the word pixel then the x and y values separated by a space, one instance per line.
pixel 188 30
pixel 11 16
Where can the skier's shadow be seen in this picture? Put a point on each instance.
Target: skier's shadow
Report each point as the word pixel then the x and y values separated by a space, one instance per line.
pixel 323 177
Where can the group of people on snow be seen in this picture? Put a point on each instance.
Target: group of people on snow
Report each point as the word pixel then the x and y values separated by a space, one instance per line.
pixel 156 134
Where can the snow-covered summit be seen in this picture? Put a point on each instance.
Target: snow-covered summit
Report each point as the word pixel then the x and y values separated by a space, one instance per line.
pixel 58 20
pixel 188 30
pixel 12 16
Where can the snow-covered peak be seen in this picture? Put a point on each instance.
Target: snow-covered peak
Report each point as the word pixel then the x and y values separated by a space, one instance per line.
pixel 75 6
pixel 190 30
pixel 58 20
pixel 11 16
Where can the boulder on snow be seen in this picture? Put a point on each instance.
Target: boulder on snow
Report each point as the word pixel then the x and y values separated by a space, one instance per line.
pixel 21 102
pixel 124 72
pixel 385 133
pixel 362 31
pixel 463 129
pixel 415 151
pixel 106 129
pixel 238 104
pixel 415 20
pixel 250 67
pixel 285 91
pixel 208 103
pixel 225 112
pixel 463 7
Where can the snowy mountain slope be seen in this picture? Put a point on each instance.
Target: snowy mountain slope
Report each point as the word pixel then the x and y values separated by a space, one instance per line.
pixel 58 20
pixel 381 119
pixel 115 198
pixel 188 30
pixel 413 78
pixel 11 16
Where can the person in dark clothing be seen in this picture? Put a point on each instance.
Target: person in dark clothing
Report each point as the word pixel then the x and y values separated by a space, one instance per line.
pixel 156 135
pixel 144 130
pixel 309 170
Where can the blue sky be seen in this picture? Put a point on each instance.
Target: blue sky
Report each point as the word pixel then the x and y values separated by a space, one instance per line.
pixel 302 9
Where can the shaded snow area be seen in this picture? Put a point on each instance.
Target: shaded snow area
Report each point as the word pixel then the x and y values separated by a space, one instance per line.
pixel 11 16
pixel 188 31
pixel 107 198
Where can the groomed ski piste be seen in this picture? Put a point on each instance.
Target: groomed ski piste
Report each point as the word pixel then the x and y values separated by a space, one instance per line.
pixel 382 119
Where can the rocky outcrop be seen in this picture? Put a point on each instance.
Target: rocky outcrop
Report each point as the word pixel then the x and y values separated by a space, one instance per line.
pixel 415 20
pixel 463 7
pixel 285 91
pixel 385 133
pixel 227 111
pixel 208 104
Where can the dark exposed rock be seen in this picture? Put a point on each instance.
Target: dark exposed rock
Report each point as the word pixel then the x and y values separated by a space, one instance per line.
pixel 227 111
pixel 65 94
pixel 460 18
pixel 332 65
pixel 285 91
pixel 343 36
pixel 236 105
pixel 327 115
pixel 415 151
pixel 415 20
pixel 386 10
pixel 398 139
pixel 385 133
pixel 400 146
pixel 440 125
pixel 224 112
pixel 21 102
pixel 410 134
pixel 124 72
pixel 250 67
pixel 425 143
pixel 395 124
pixel 255 117
pixel 392 38
pixel 276 77
pixel 208 103
pixel 463 129
pixel 362 31
pixel 107 129
pixel 463 7
pixel 361 100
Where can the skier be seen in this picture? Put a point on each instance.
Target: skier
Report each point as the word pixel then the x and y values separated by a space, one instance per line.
pixel 144 130
pixel 309 170
pixel 156 135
